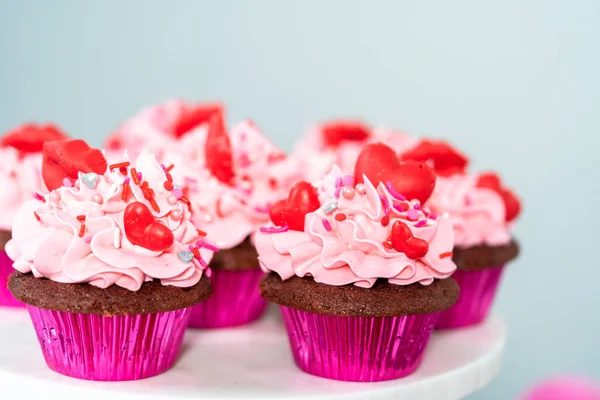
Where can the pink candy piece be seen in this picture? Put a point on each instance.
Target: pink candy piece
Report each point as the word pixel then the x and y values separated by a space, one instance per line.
pixel 413 215
pixel 178 193
pixel 67 182
pixel 348 180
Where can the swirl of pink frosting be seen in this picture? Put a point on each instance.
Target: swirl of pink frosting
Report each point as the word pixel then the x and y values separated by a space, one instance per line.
pixel 153 129
pixel 315 158
pixel 53 248
pixel 229 214
pixel 20 178
pixel 353 250
pixel 476 213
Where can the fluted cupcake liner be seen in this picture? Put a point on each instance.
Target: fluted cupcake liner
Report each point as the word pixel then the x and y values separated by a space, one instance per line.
pixel 364 349
pixel 115 348
pixel 477 292
pixel 6 268
pixel 235 300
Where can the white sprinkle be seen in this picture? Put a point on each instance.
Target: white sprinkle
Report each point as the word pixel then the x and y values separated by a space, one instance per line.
pixel 117 238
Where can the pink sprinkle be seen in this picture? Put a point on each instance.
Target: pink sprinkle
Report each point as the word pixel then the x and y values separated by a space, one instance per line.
pixel 417 206
pixel 326 225
pixel 348 180
pixel 432 216
pixel 338 189
pixel 67 182
pixel 263 209
pixel 139 174
pixel 398 208
pixel 386 204
pixel 393 192
pixel 421 223
pixel 87 239
pixel 208 246
pixel 202 262
pixel 338 182
pixel 126 181
pixel 177 192
pixel 274 229
pixel 38 196
pixel 163 168
pixel 208 272
pixel 413 215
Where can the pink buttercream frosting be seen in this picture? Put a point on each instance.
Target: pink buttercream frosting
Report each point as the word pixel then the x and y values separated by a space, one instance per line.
pixel 231 213
pixel 103 256
pixel 315 158
pixel 352 251
pixel 20 178
pixel 152 129
pixel 478 214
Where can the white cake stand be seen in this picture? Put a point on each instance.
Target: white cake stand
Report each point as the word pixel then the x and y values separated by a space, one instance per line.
pixel 253 362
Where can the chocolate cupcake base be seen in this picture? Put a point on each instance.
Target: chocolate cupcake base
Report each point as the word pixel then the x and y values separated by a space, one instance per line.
pixel 382 300
pixel 483 256
pixel 82 298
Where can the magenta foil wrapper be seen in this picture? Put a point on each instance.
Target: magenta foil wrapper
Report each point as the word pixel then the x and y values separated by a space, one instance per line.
pixel 6 268
pixel 477 292
pixel 235 300
pixel 361 349
pixel 117 348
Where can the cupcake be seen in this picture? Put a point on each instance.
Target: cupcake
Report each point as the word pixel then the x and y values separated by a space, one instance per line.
pixel 107 265
pixel 360 268
pixel 175 127
pixel 231 193
pixel 20 180
pixel 340 142
pixel 483 212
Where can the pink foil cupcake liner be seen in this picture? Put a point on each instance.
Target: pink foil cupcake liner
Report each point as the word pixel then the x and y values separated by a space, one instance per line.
pixel 235 300
pixel 6 268
pixel 477 292
pixel 116 348
pixel 362 349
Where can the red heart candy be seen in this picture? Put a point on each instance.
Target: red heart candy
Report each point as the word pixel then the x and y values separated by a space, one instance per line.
pixel 446 159
pixel 379 163
pixel 30 138
pixel 405 242
pixel 303 198
pixel 512 205
pixel 142 229
pixel 195 116
pixel 219 159
pixel 335 133
pixel 65 158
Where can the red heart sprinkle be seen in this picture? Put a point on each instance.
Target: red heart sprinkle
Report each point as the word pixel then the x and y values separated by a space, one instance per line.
pixel 337 132
pixel 303 198
pixel 65 158
pixel 446 159
pixel 405 242
pixel 143 230
pixel 30 138
pixel 195 116
pixel 379 163
pixel 512 205
pixel 219 159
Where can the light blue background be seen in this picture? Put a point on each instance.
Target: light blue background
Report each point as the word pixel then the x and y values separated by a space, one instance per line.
pixel 513 82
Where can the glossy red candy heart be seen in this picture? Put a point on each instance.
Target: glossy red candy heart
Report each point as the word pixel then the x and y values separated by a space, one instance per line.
pixel 379 163
pixel 142 229
pixel 446 159
pixel 337 132
pixel 512 205
pixel 195 116
pixel 219 159
pixel 303 198
pixel 405 242
pixel 30 138
pixel 65 158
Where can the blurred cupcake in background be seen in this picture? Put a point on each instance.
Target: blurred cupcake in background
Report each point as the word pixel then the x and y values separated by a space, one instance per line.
pixel 231 193
pixel 107 265
pixel 177 127
pixel 360 268
pixel 339 142
pixel 483 212
pixel 20 180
